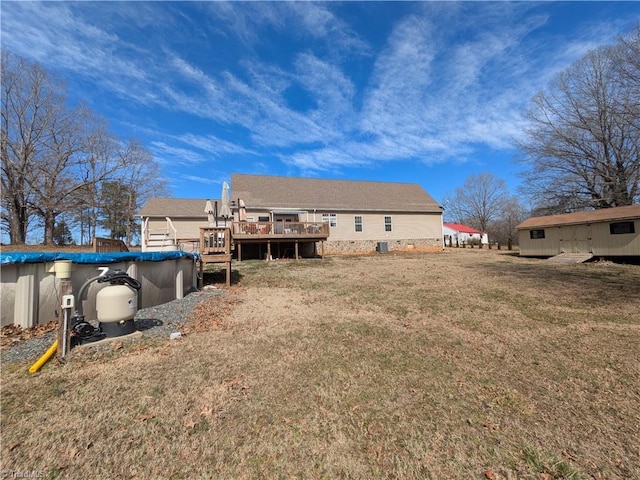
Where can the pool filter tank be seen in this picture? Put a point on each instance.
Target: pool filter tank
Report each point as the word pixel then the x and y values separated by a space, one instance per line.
pixel 116 306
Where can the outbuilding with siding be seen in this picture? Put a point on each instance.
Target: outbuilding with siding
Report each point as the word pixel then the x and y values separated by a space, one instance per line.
pixel 606 232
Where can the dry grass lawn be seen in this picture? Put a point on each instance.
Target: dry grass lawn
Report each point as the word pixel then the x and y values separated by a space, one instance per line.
pixel 458 365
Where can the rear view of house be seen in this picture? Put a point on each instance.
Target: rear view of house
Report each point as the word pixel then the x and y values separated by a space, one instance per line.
pixel 362 216
pixel 610 232
pixel 301 215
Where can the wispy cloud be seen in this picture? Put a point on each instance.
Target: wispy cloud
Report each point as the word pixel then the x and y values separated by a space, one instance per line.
pixel 172 155
pixel 277 79
pixel 51 33
pixel 213 145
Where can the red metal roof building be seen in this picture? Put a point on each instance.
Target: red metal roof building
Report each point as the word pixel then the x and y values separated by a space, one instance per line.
pixel 462 234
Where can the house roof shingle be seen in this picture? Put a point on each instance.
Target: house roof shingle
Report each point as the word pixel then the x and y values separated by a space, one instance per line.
pixel 261 191
pixel 592 216
pixel 175 207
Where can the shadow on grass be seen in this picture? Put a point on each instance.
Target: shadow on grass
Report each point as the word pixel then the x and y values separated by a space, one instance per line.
pixel 216 277
pixel 147 323
pixel 607 283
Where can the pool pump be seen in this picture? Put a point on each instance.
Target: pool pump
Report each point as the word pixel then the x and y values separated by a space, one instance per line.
pixel 116 306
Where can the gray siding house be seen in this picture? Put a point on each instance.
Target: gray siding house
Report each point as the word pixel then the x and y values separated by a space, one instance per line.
pixel 607 232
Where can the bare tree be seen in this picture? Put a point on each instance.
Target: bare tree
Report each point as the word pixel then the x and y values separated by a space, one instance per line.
pixel 503 228
pixel 142 179
pixel 78 153
pixel 627 61
pixel 53 156
pixel 583 144
pixel 478 201
pixel 84 216
pixel 29 101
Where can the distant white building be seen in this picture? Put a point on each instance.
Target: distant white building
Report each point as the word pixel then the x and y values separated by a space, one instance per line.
pixel 462 235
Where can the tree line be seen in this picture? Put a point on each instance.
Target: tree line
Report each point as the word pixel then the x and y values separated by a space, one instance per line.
pixel 581 149
pixel 61 167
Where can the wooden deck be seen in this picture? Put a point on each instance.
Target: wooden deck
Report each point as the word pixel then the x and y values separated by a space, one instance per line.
pixel 216 243
pixel 270 233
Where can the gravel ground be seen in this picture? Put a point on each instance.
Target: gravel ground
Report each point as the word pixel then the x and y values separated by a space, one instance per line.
pixel 161 320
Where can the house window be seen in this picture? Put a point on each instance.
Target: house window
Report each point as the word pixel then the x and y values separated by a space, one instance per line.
pixel 263 219
pixel 331 219
pixel 536 234
pixel 387 224
pixel 358 223
pixel 620 228
pixel 250 219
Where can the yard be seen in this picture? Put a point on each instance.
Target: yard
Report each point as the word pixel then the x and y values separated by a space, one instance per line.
pixel 456 365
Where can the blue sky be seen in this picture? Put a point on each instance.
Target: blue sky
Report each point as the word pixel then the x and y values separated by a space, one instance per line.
pixel 424 92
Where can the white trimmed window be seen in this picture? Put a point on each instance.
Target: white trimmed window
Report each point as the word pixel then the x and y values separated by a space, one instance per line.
pixel 358 223
pixel 331 219
pixel 387 224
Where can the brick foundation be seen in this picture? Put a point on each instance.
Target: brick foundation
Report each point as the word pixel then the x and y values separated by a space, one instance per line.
pixel 337 247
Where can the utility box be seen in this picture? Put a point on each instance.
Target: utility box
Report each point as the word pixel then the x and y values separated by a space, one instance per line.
pixel 382 247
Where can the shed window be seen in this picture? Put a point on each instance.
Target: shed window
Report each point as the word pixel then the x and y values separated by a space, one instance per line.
pixel 358 223
pixel 620 228
pixel 331 219
pixel 387 224
pixel 536 234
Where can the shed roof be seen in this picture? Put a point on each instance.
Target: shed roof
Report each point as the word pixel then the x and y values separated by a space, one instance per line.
pixel 271 192
pixel 592 216
pixel 175 207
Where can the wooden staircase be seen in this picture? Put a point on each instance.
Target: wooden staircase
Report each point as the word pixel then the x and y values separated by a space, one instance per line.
pixel 215 247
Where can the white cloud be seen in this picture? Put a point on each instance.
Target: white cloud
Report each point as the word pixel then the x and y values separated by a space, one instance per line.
pixel 51 33
pixel 171 155
pixel 208 180
pixel 449 76
pixel 213 145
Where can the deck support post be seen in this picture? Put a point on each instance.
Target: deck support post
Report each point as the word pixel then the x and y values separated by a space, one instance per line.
pixel 296 249
pixel 268 250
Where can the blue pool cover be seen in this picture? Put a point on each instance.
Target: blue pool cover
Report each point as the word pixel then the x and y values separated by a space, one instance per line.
pixel 32 257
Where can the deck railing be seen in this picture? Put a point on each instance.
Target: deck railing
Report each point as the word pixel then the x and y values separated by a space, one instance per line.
pixel 281 229
pixel 215 240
